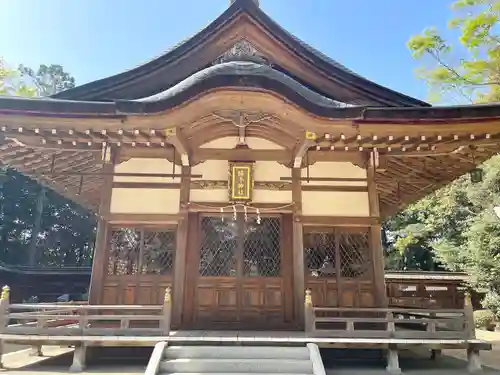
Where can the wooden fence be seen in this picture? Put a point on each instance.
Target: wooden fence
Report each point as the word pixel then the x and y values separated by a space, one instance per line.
pixel 401 323
pixel 70 319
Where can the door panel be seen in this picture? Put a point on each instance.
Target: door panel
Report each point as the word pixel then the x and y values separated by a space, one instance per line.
pixel 240 281
pixel 215 300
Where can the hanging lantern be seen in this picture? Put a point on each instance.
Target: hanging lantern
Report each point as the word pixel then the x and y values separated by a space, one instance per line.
pixel 476 175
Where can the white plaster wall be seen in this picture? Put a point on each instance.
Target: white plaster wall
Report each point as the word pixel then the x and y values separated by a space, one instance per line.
pixel 212 170
pixel 209 195
pixel 326 203
pixel 335 170
pixel 270 171
pixel 146 165
pixel 144 201
pixel 272 196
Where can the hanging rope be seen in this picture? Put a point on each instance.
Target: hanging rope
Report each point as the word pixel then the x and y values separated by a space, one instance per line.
pixel 234 206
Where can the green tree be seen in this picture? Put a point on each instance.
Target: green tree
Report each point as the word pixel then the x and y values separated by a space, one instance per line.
pixel 48 79
pixel 471 67
pixel 462 231
pixel 11 82
pixel 38 226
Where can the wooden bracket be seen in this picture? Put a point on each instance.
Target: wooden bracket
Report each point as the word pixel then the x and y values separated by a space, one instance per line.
pixel 307 143
pixel 176 138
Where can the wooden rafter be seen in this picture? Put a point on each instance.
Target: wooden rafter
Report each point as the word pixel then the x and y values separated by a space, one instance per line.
pixel 414 159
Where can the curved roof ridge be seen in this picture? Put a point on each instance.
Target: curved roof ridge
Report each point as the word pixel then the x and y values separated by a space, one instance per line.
pixel 153 76
pixel 327 59
pixel 245 68
pixel 73 93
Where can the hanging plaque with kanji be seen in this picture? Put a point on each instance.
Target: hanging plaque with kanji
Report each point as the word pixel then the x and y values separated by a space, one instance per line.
pixel 240 182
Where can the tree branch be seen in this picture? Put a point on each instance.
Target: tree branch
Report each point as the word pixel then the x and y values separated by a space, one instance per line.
pixel 457 75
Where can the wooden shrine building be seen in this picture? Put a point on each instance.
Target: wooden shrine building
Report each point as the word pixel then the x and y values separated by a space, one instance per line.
pixel 242 168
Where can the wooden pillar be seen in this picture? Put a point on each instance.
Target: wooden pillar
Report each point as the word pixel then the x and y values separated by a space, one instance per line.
pixel 100 262
pixel 376 237
pixel 298 248
pixel 181 248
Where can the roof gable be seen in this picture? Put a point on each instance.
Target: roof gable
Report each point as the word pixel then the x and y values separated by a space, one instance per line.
pixel 242 21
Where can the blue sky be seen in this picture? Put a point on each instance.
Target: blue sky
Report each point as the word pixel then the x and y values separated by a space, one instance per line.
pixel 97 38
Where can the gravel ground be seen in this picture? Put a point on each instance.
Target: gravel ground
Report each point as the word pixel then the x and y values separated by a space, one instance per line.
pixel 58 361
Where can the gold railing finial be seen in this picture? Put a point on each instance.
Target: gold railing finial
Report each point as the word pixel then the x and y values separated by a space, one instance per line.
pixel 5 293
pixel 168 296
pixel 308 299
pixel 170 132
pixel 311 136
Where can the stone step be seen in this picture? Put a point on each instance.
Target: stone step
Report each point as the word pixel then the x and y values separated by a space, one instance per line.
pixel 271 366
pixel 236 352
pixel 224 373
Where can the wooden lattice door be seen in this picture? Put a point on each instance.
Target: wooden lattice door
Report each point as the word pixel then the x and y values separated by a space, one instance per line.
pixel 339 266
pixel 140 265
pixel 241 274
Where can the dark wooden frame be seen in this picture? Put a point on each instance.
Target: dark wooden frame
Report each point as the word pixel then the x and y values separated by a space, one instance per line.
pixel 330 291
pixel 239 282
pixel 117 289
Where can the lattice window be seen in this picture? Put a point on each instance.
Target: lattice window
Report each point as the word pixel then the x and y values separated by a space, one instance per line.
pixel 262 250
pixel 337 254
pixel 218 246
pixel 143 251
pixel 355 259
pixel 158 254
pixel 320 254
pixel 124 251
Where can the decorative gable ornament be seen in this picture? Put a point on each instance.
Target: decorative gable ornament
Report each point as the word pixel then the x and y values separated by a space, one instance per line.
pixel 242 50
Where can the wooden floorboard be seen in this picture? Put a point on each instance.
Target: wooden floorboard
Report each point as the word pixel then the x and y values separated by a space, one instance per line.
pixel 241 338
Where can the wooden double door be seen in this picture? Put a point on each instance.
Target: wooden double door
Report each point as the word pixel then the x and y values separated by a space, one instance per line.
pixel 239 273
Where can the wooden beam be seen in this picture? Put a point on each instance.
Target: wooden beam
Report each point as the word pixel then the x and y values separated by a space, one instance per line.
pixel 146 185
pixel 128 152
pixel 325 179
pixel 222 185
pixel 113 174
pixel 242 154
pixel 133 218
pixel 339 221
pixel 216 206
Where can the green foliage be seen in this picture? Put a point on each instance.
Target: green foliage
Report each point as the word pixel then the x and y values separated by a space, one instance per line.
pixel 458 228
pixel 48 79
pixel 62 233
pixel 11 82
pixel 458 225
pixel 471 67
pixel 484 319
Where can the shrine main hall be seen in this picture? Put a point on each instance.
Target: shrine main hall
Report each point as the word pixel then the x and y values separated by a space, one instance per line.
pixel 244 171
